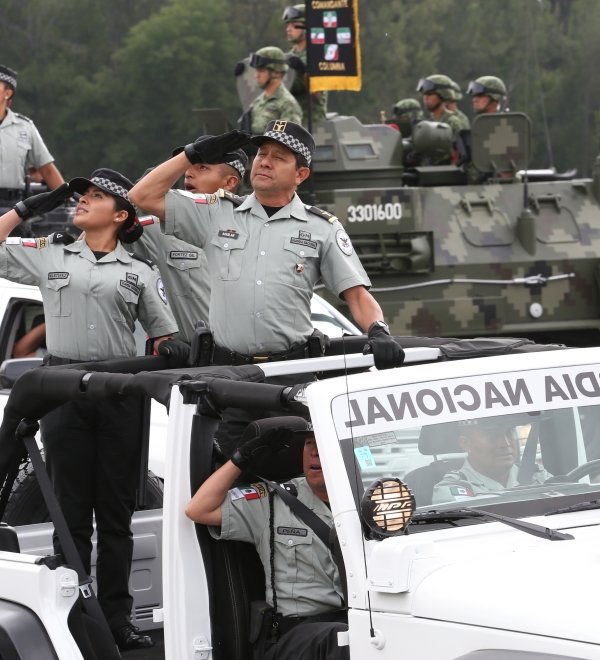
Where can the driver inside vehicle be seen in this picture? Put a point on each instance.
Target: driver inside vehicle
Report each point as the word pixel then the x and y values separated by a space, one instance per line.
pixel 492 463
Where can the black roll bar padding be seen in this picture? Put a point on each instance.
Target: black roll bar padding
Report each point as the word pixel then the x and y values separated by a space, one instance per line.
pixel 240 394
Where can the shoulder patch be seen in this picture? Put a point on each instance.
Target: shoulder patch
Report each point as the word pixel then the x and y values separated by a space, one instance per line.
pixel 252 492
pixel 321 213
pixel 146 220
pixel 23 117
pixel 139 257
pixel 61 238
pixel 236 200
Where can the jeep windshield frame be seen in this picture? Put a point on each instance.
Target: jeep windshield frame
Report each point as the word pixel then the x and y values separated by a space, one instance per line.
pixel 400 423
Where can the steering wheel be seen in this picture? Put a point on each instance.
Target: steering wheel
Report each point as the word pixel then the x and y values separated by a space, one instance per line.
pixel 583 470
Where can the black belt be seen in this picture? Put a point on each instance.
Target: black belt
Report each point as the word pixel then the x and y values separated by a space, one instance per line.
pixel 287 623
pixel 55 361
pixel 11 194
pixel 223 356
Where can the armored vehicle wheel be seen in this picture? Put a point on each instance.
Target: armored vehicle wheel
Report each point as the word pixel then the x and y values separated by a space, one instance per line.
pixel 26 505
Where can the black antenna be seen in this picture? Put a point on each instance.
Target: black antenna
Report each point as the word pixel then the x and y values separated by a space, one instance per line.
pixel 536 62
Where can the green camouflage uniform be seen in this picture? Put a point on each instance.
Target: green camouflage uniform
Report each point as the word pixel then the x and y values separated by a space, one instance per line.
pixel 300 92
pixel 465 124
pixel 280 105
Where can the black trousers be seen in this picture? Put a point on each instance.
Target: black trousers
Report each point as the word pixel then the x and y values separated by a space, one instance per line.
pixel 309 641
pixel 92 454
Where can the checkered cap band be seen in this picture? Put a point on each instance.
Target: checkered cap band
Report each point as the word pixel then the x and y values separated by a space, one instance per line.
pixel 11 80
pixel 291 142
pixel 113 187
pixel 239 166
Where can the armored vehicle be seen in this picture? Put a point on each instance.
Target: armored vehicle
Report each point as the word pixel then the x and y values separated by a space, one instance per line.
pixel 480 249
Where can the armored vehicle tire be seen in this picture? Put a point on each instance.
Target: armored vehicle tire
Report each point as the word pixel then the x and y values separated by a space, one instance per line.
pixel 26 505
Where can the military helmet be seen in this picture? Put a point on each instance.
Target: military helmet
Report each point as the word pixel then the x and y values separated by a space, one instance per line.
pixel 456 90
pixel 437 84
pixel 269 57
pixel 488 85
pixel 405 106
pixel 295 14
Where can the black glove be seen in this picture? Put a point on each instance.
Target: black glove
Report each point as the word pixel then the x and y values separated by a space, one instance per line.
pixel 212 149
pixel 44 202
pixel 239 68
pixel 386 351
pixel 294 62
pixel 176 350
pixel 265 439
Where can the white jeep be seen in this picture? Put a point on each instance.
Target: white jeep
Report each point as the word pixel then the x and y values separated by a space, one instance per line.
pixel 507 574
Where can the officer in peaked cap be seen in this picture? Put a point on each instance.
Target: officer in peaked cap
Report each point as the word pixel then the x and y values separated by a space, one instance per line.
pixel 266 252
pixel 183 266
pixel 93 289
pixel 21 146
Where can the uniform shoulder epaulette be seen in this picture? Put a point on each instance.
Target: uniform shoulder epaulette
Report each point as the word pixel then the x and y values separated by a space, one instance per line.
pixel 61 238
pixel 139 257
pixel 20 116
pixel 315 210
pixel 236 200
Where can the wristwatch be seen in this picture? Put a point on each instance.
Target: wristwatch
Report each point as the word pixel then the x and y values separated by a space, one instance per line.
pixel 379 324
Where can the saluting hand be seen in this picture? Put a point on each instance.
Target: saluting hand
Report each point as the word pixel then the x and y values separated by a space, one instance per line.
pixel 212 148
pixel 44 202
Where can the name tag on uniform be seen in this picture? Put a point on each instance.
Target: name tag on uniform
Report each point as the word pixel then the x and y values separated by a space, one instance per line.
pixel 131 277
pixel 183 255
pixel 292 531
pixel 130 287
pixel 304 238
pixel 58 276
pixel 229 233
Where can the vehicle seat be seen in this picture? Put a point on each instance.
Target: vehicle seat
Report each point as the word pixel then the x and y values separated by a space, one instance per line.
pixel 234 570
pixel 9 541
pixel 434 440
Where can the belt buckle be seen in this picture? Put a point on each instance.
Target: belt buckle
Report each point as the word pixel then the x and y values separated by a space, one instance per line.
pixel 261 358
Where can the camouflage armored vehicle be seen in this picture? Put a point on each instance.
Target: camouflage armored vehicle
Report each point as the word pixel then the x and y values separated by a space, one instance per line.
pixel 515 254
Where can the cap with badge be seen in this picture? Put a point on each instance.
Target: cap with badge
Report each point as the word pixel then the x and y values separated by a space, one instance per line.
pixel 237 159
pixel 117 185
pixel 8 76
pixel 291 135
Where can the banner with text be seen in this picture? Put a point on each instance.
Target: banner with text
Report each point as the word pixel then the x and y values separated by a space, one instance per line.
pixel 333 46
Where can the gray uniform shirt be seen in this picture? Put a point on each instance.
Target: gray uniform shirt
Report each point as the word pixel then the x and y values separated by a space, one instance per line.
pixel 466 483
pixel 21 147
pixel 263 270
pixel 306 577
pixel 90 306
pixel 184 270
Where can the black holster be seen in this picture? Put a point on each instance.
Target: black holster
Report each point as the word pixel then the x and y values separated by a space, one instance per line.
pixel 261 631
pixel 202 346
pixel 317 344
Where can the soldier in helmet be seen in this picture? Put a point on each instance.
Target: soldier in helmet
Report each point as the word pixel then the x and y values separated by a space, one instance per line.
pixel 275 102
pixel 489 93
pixel 453 106
pixel 294 18
pixel 405 114
pixel 437 90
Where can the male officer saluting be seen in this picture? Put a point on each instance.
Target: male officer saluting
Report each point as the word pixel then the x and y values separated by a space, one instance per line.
pixel 183 266
pixel 266 253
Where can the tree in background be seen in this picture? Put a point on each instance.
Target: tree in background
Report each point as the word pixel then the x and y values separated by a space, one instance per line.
pixel 140 69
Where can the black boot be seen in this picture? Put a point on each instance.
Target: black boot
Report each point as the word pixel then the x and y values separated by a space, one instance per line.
pixel 128 637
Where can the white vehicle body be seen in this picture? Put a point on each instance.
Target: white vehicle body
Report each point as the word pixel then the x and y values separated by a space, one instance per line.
pixel 19 305
pixel 441 594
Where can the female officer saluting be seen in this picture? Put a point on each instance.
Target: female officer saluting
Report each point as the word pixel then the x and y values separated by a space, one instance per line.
pixel 93 291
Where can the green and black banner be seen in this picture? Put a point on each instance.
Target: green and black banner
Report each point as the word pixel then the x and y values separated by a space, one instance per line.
pixel 333 46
